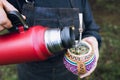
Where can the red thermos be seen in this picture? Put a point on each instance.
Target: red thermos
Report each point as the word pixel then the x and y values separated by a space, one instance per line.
pixel 36 43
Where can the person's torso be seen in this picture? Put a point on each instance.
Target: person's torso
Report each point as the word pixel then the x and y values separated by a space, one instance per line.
pixel 53 13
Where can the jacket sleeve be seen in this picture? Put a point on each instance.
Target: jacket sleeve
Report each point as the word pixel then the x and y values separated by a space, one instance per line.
pixel 91 28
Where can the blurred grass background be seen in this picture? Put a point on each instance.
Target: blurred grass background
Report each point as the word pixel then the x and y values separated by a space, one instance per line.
pixel 107 16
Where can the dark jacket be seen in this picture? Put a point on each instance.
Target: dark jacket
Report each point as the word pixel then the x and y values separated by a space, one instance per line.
pixel 53 68
pixel 91 28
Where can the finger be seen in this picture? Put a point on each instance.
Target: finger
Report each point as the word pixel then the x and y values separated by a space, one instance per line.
pixel 91 40
pixel 1 28
pixel 7 6
pixel 7 25
pixel 96 51
pixel 4 21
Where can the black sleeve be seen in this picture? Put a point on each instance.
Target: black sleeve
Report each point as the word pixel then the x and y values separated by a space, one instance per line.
pixel 91 28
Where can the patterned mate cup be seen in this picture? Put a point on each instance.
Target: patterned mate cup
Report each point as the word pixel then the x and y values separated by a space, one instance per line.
pixel 80 59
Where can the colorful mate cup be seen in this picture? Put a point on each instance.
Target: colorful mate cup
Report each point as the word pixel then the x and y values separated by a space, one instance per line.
pixel 80 59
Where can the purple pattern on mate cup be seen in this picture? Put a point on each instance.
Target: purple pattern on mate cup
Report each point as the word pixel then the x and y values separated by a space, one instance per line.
pixel 91 65
pixel 70 67
pixel 73 68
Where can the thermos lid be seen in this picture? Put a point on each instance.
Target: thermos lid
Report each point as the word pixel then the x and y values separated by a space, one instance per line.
pixel 68 37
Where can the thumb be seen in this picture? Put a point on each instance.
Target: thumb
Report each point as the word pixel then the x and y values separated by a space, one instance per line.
pixel 90 40
pixel 7 6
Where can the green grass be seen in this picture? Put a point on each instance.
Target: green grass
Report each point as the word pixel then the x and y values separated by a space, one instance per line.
pixel 8 72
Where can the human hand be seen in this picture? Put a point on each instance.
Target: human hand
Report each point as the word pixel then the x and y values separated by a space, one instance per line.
pixel 5 6
pixel 92 41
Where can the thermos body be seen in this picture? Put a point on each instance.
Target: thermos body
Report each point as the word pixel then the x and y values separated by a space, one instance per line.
pixel 23 47
pixel 36 43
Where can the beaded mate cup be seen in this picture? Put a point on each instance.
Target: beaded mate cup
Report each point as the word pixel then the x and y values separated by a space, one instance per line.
pixel 81 59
